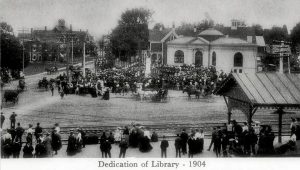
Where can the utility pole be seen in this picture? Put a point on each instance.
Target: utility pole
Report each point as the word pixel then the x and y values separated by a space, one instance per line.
pixel 72 50
pixel 281 57
pixel 284 50
pixel 23 49
pixel 83 61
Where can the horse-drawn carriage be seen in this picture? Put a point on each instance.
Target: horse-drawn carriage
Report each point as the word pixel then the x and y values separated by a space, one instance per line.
pixel 197 90
pixel 160 96
pixel 11 96
pixel 155 95
pixel 43 83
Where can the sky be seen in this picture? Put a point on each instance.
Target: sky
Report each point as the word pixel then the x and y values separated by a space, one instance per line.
pixel 101 16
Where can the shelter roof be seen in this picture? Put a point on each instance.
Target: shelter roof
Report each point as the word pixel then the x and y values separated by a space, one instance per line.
pixel 263 89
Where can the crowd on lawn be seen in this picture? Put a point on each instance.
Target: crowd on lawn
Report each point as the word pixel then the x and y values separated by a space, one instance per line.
pixel 229 139
pixel 124 80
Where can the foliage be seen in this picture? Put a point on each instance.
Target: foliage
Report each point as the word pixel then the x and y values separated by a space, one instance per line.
pixel 131 34
pixel 258 30
pixel 275 33
pixel 295 35
pixel 5 28
pixel 11 50
pixel 187 29
pixel 159 26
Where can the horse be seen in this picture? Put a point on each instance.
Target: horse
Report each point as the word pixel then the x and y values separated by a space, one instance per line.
pixel 144 95
pixel 192 91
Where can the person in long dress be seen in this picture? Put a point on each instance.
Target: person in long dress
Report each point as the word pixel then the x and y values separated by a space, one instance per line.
pixel 48 145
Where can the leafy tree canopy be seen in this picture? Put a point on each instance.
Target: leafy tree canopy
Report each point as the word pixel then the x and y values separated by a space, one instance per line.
pixel 158 26
pixel 131 34
pixel 11 49
pixel 275 33
pixel 295 35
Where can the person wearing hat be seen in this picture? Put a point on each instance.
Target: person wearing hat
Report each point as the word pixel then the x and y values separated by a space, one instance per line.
pixel 19 132
pixel 13 120
pixel 83 136
pixel 106 148
pixel 38 131
pixel 123 147
pixel 29 132
pixel 56 141
pixel 71 148
pixel 163 146
pixel 184 138
pixel 48 145
pixel 27 150
pixel 56 127
pixel 2 119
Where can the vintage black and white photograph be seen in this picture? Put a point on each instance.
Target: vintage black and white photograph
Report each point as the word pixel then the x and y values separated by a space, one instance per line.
pixel 150 79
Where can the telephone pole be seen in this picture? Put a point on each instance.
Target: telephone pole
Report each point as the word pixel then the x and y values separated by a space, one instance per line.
pixel 23 48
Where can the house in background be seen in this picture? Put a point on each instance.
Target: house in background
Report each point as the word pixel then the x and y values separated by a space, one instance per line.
pixel 158 44
pixel 232 49
pixel 52 44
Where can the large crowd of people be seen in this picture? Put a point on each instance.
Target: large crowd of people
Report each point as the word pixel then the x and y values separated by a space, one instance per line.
pixel 230 139
pixel 205 80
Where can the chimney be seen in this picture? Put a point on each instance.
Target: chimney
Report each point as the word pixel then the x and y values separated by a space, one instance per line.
pixel 45 28
pixel 31 31
pixel 70 27
pixel 195 29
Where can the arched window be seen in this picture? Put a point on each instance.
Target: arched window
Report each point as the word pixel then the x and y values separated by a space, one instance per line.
pixel 214 59
pixel 238 60
pixel 179 57
pixel 198 58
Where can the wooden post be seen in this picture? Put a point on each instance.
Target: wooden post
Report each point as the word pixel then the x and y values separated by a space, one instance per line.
pixel 280 112
pixel 229 117
pixel 250 117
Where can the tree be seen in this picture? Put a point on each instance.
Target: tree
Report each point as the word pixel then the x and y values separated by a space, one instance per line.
pixel 187 29
pixel 11 49
pixel 131 34
pixel 295 36
pixel 5 28
pixel 159 26
pixel 258 30
pixel 275 33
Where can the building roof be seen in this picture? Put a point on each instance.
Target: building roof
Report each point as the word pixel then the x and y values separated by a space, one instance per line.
pixel 157 35
pixel 231 41
pixel 189 40
pixel 260 41
pixel 211 31
pixel 239 32
pixel 263 89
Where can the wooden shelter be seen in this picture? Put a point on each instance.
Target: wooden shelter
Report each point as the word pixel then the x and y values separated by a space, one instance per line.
pixel 249 92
